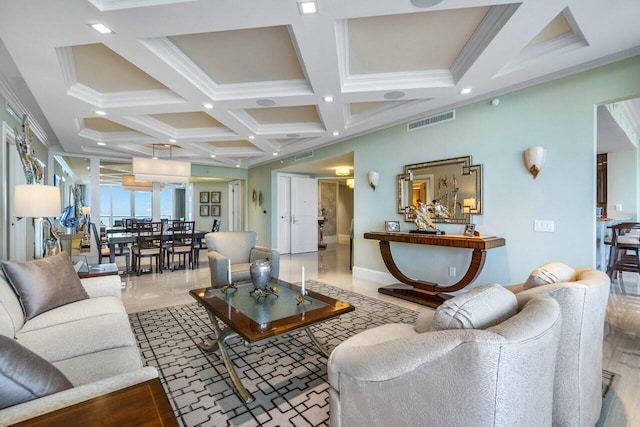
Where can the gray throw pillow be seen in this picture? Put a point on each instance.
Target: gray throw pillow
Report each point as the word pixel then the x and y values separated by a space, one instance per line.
pixel 25 376
pixel 480 308
pixel 44 284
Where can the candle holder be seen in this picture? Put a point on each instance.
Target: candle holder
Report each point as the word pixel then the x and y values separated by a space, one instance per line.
pixel 228 286
pixel 301 299
pixel 264 292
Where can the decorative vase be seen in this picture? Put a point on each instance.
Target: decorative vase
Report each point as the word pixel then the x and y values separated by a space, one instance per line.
pixel 260 272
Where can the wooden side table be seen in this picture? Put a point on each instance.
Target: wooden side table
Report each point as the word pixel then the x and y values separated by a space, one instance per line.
pixel 144 404
pixel 97 270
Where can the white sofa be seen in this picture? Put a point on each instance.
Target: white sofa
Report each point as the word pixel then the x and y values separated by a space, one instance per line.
pixel 90 341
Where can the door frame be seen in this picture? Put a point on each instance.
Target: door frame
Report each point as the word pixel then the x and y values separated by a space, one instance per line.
pixel 235 206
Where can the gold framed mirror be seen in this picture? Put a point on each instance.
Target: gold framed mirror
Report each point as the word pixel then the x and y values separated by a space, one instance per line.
pixel 451 189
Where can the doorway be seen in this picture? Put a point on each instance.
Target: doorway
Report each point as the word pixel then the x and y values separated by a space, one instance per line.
pixel 297 214
pixel 235 207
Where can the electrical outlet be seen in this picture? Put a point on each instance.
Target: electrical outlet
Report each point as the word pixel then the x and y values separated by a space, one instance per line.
pixel 543 226
pixel 452 271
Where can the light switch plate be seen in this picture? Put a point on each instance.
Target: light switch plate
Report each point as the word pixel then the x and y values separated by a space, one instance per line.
pixel 544 226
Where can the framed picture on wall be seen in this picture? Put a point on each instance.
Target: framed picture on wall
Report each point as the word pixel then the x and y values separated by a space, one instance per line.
pixel 204 198
pixel 215 210
pixel 215 197
pixel 204 209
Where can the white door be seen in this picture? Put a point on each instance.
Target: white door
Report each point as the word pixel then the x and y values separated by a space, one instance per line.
pixel 304 215
pixel 235 208
pixel 284 214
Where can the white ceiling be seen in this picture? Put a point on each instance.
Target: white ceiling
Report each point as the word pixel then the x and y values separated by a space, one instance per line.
pixel 266 68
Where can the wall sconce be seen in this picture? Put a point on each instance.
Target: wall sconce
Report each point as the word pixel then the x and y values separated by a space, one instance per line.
pixel 534 159
pixel 350 182
pixel 373 179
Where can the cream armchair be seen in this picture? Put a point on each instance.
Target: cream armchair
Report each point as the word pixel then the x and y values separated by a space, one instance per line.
pixel 479 360
pixel 239 247
pixel 583 295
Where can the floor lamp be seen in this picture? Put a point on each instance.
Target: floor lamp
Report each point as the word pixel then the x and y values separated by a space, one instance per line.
pixel 39 201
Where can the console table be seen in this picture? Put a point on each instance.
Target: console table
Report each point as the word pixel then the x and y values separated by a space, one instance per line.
pixel 428 293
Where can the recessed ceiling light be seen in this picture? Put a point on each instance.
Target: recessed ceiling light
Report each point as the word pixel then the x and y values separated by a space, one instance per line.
pixel 101 28
pixel 101 113
pixel 172 140
pixel 252 137
pixel 266 102
pixel 101 166
pixel 425 3
pixel 213 156
pixel 307 7
pixel 396 94
pixel 208 106
pixel 328 98
pixel 336 133
pixel 465 91
pixel 154 158
pixel 167 145
pixel 237 166
pixel 101 143
pixel 275 154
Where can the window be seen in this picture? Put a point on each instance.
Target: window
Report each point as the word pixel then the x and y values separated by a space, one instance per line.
pixel 142 204
pixel 166 203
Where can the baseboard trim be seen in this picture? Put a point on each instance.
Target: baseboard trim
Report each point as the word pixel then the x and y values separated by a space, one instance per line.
pixel 373 275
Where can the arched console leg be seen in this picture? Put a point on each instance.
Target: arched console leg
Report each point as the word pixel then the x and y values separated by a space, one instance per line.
pixel 422 292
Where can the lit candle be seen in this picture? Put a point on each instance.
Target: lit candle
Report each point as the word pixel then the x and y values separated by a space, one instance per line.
pixel 229 270
pixel 303 291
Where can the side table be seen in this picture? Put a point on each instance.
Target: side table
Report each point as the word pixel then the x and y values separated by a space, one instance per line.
pixel 144 404
pixel 96 270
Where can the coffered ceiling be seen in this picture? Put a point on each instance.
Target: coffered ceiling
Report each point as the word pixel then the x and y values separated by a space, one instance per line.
pixel 239 82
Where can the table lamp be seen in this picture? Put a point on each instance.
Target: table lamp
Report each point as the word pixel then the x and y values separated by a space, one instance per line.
pixel 39 201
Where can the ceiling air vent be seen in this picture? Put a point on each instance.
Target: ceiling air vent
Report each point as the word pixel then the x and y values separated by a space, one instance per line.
pixel 304 155
pixel 428 121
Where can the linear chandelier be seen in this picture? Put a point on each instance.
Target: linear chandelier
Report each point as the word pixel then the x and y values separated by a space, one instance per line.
pixel 129 183
pixel 159 170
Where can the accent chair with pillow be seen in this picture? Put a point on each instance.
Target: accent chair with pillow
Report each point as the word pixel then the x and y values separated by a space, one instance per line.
pixel 239 247
pixel 63 340
pixel 583 294
pixel 479 359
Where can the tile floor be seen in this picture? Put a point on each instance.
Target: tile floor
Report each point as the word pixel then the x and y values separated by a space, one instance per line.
pixel 621 347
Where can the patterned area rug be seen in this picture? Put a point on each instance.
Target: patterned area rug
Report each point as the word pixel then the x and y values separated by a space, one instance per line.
pixel 287 375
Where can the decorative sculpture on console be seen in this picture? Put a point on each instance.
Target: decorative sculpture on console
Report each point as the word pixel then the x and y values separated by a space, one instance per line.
pixel 422 216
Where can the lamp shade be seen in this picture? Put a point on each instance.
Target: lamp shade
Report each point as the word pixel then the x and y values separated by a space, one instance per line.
pixel 36 201
pixel 129 183
pixel 85 210
pixel 157 170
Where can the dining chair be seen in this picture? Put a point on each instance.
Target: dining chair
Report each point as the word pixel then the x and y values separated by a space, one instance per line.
pixel 624 253
pixel 202 244
pixel 148 245
pixel 182 243
pixel 104 249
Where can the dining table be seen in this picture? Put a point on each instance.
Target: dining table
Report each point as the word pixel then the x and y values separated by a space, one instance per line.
pixel 123 238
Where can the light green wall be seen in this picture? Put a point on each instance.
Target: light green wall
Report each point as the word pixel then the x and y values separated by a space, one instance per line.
pixel 559 115
pixel 205 222
pixel 622 184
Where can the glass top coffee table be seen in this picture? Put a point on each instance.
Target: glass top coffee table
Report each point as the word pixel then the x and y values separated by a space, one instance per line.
pixel 257 318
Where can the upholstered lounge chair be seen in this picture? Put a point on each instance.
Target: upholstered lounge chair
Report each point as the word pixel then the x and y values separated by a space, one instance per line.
pixel 481 359
pixel 240 247
pixel 583 295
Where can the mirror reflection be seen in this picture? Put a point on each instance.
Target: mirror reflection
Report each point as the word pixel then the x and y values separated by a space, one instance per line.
pixel 450 188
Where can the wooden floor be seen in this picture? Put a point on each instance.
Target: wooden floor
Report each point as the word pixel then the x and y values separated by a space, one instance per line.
pixel 621 347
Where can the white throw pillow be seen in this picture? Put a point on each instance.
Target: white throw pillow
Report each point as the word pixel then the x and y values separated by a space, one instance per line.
pixel 480 308
pixel 551 272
